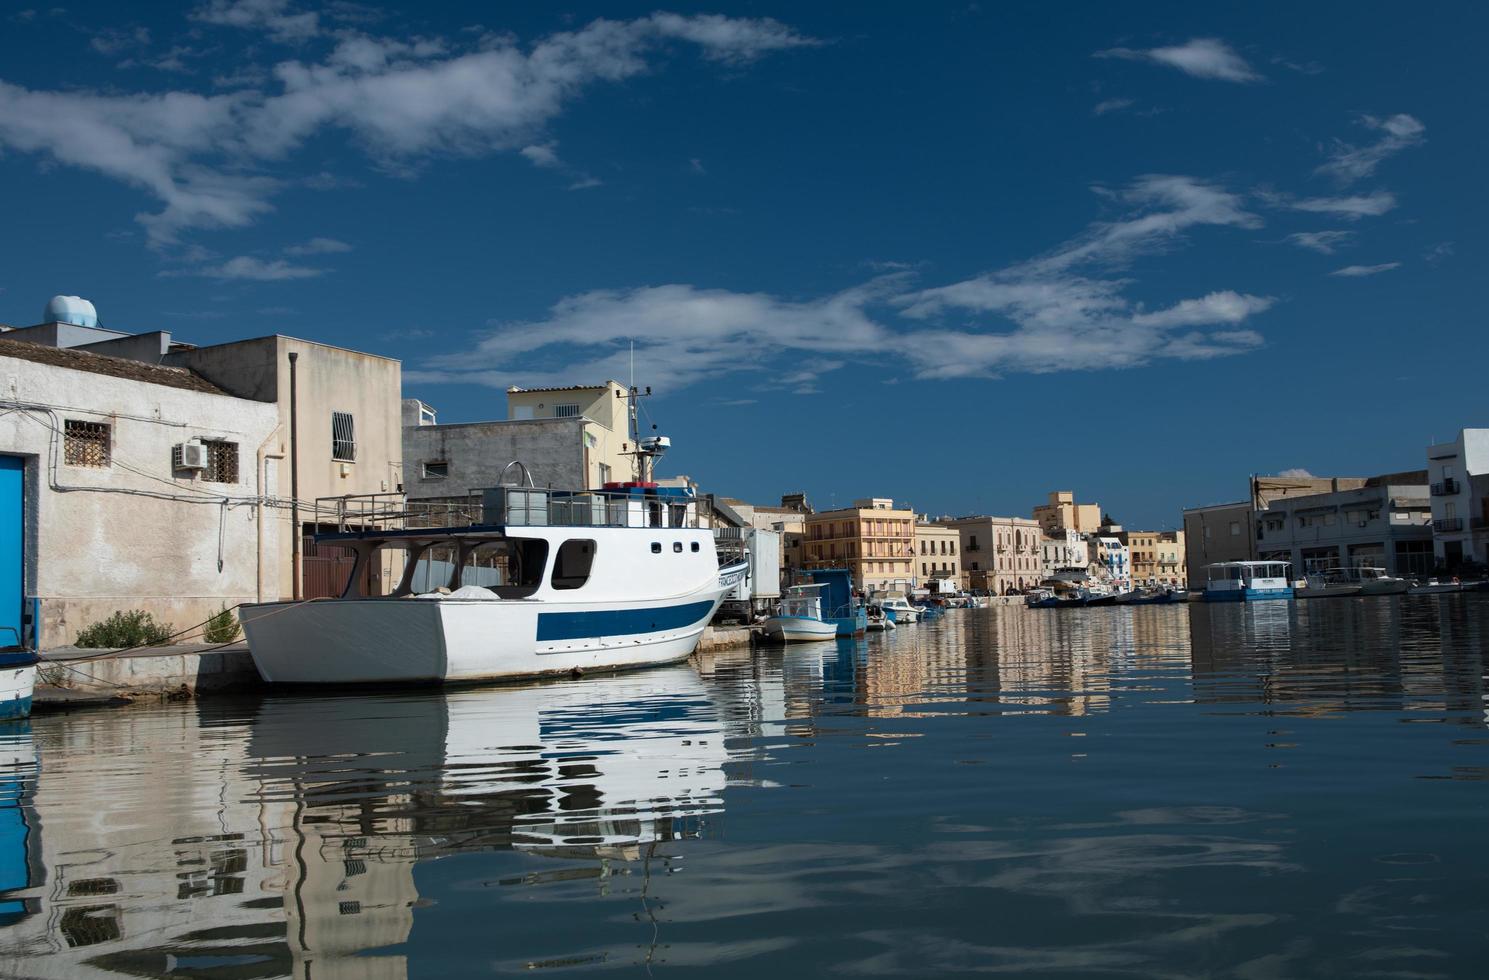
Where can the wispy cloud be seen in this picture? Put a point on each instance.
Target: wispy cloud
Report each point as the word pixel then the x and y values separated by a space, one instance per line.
pixel 1063 310
pixel 542 154
pixel 1361 271
pixel 1348 163
pixel 247 267
pixel 1324 242
pixel 1111 105
pixel 1201 57
pixel 113 42
pixel 1438 254
pixel 208 158
pixel 1351 208
pixel 318 246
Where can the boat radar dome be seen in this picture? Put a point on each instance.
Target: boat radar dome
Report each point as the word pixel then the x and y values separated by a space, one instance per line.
pixel 70 309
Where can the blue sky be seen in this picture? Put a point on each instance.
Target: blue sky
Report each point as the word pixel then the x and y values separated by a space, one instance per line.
pixel 959 254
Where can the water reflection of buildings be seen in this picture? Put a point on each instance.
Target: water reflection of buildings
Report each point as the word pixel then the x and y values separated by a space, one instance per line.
pixel 1401 653
pixel 283 841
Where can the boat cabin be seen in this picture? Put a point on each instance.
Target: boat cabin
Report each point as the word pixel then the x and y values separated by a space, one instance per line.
pixel 803 601
pixel 1247 580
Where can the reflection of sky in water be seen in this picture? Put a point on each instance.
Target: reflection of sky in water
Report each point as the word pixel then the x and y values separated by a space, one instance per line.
pixel 1266 790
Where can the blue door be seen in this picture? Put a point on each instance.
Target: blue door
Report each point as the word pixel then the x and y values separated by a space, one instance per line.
pixel 12 548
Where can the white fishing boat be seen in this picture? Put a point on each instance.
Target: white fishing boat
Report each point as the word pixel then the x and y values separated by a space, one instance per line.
pixel 1360 580
pixel 900 610
pixel 544 582
pixel 1247 581
pixel 17 682
pixel 879 620
pixel 800 616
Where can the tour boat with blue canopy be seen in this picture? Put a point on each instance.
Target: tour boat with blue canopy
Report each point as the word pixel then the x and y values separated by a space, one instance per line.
pixel 540 582
pixel 1247 581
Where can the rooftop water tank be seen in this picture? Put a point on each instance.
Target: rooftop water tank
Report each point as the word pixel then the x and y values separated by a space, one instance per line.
pixel 70 309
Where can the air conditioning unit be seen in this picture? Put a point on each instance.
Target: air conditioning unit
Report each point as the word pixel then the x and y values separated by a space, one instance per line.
pixel 189 456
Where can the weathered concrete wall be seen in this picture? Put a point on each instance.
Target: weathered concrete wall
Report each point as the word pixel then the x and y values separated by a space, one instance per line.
pixel 134 534
pixel 476 452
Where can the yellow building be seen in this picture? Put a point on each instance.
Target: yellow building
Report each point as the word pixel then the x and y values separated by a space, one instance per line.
pixel 937 553
pixel 1001 554
pixel 1157 557
pixel 1062 513
pixel 872 538
pixel 607 432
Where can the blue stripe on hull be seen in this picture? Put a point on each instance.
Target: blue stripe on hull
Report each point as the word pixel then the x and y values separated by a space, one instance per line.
pixel 17 708
pixel 1253 595
pixel 621 622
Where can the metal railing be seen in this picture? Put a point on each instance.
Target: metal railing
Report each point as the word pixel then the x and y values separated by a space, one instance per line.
pixel 515 506
pixel 1448 524
pixel 1447 487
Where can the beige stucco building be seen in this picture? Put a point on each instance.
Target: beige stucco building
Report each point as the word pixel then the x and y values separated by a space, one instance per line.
pixel 937 553
pixel 1000 554
pixel 1062 513
pixel 873 538
pixel 1157 557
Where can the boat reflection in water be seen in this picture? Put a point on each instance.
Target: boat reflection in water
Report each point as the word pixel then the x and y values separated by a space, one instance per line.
pixel 292 852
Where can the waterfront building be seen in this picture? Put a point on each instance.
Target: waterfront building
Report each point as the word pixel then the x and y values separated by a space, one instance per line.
pixel 872 538
pixel 1000 555
pixel 126 485
pixel 1157 557
pixel 1459 474
pixel 1062 551
pixel 566 436
pixel 937 556
pixel 1062 513
pixel 1384 524
pixel 1227 532
pixel 1111 558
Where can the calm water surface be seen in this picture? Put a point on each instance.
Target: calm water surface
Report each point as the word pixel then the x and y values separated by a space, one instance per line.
pixel 1272 790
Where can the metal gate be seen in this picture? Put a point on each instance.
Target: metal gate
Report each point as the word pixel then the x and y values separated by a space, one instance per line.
pixel 12 550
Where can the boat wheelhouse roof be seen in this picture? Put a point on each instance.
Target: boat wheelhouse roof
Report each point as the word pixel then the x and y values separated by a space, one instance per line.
pixel 1244 564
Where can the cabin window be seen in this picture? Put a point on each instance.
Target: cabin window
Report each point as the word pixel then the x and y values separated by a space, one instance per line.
pixel 677 547
pixel 511 567
pixel 656 547
pixel 434 569
pixel 222 461
pixel 571 566
pixel 343 437
pixel 85 443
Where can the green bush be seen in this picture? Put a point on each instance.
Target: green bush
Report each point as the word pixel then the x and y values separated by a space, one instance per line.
pixel 222 628
pixel 125 629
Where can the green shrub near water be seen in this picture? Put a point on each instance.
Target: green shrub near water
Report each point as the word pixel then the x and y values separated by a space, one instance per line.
pixel 222 628
pixel 125 629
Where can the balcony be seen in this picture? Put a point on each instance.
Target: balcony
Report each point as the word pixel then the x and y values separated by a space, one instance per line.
pixel 1446 488
pixel 1448 524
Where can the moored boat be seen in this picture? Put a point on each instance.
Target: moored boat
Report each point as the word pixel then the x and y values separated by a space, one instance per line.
pixel 900 610
pixel 800 616
pixel 547 583
pixel 17 683
pixel 1247 581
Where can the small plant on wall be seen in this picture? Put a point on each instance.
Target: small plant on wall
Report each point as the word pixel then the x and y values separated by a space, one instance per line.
pixel 125 629
pixel 222 628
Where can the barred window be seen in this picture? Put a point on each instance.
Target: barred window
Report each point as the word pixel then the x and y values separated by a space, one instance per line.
pixel 222 462
pixel 343 437
pixel 565 411
pixel 85 443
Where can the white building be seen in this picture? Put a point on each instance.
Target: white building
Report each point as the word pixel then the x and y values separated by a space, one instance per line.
pixel 1063 549
pixel 127 485
pixel 1384 524
pixel 1459 475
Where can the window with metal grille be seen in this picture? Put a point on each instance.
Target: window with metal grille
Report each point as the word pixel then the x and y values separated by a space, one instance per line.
pixel 565 411
pixel 343 437
pixel 222 462
pixel 85 443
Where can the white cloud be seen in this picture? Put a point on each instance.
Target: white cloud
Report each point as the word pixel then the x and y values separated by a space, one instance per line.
pixel 1352 208
pixel 1349 163
pixel 1111 105
pixel 542 154
pixel 250 268
pixel 318 246
pixel 1202 57
pixel 203 157
pixel 1360 271
pixel 1325 242
pixel 1051 313
pixel 1297 473
pixel 114 41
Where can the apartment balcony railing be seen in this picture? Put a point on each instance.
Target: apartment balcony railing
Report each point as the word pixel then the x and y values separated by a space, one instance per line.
pixel 1447 487
pixel 1448 524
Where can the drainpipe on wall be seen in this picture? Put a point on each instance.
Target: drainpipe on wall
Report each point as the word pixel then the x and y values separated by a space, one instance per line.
pixel 294 482
pixel 263 480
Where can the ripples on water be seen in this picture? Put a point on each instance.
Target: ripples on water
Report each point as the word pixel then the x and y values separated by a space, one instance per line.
pixel 1250 791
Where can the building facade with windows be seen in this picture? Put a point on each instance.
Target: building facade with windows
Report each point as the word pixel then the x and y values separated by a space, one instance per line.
pixel 937 554
pixel 873 538
pixel 1157 558
pixel 1459 486
pixel 1001 555
pixel 1062 513
pixel 1381 525
pixel 126 485
pixel 1063 553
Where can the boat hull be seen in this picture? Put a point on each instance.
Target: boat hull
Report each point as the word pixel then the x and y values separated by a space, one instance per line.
pixel 796 629
pixel 17 685
pixel 456 641
pixel 855 625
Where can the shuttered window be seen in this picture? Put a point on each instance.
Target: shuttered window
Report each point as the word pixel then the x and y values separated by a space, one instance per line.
pixel 343 437
pixel 85 443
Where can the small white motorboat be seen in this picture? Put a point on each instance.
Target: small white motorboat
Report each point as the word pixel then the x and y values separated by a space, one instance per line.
pixel 900 610
pixel 879 620
pixel 800 616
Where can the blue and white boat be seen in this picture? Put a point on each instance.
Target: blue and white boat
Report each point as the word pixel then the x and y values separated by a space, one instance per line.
pixel 1247 581
pixel 800 617
pixel 839 604
pixel 17 682
pixel 544 583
